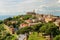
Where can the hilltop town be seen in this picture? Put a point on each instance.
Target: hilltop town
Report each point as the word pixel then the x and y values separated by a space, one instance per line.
pixel 17 23
pixel 38 18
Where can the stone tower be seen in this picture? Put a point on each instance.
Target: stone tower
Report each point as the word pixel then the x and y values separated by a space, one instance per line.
pixel 34 11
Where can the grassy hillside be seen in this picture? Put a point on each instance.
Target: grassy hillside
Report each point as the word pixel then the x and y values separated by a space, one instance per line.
pixel 35 36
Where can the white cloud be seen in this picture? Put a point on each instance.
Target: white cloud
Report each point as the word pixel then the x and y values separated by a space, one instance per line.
pixel 58 1
pixel 12 6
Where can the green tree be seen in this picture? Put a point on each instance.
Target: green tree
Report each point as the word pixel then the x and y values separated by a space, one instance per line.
pixel 1 21
pixel 3 31
pixel 9 19
pixel 57 37
pixel 37 27
pixel 25 30
pixel 25 17
pixel 50 28
pixel 10 37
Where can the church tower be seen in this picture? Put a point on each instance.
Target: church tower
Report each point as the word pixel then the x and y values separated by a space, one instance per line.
pixel 34 11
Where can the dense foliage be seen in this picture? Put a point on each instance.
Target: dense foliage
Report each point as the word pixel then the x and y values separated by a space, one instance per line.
pixel 24 30
pixel 50 28
pixel 57 37
pixel 4 34
pixel 47 28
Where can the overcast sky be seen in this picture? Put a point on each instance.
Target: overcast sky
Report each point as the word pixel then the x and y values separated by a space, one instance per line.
pixel 14 7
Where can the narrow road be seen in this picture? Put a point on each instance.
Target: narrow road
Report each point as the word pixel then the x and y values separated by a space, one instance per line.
pixel 22 36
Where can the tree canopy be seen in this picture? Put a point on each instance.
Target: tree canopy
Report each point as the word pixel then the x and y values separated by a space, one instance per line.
pixel 50 28
pixel 57 37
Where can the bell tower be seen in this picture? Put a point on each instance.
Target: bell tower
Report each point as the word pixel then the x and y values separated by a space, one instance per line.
pixel 34 11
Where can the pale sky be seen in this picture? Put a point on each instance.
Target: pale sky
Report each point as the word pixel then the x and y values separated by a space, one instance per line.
pixel 15 7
